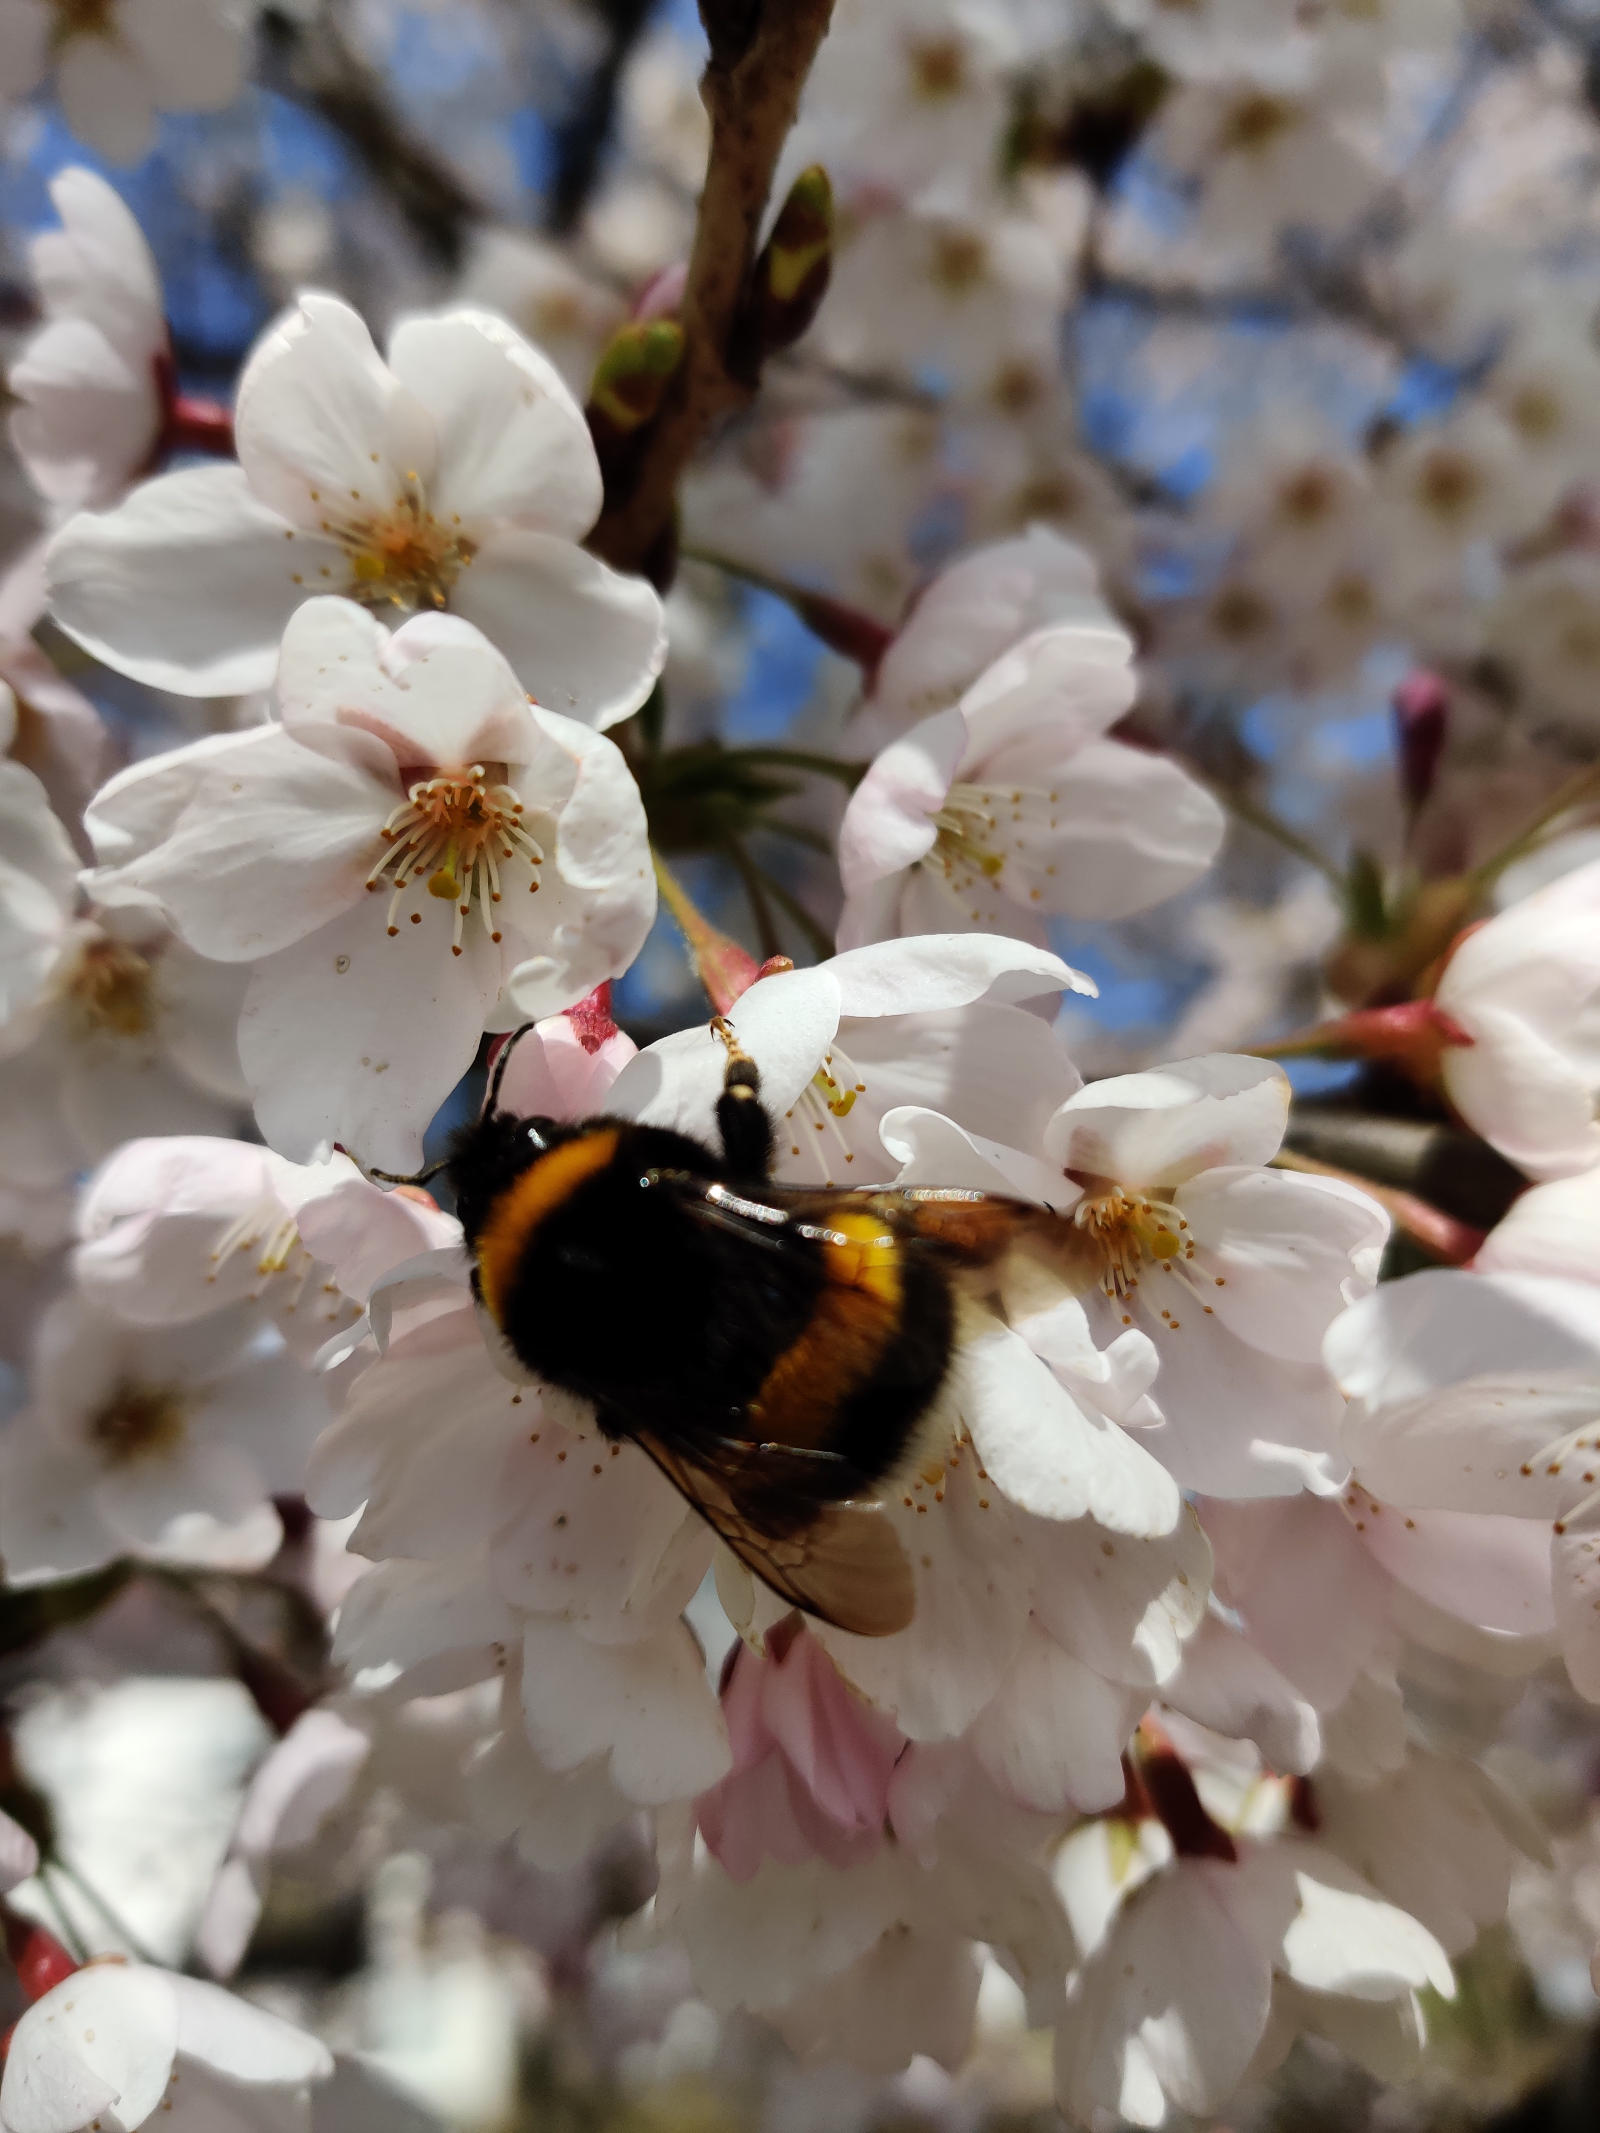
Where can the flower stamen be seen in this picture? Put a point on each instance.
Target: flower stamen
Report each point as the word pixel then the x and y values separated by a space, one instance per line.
pixel 453 830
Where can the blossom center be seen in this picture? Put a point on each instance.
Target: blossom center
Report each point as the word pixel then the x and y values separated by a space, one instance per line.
pixel 984 828
pixel 283 1264
pixel 822 1106
pixel 1130 1233
pixel 454 831
pixel 108 989
pixel 401 555
pixel 137 1422
pixel 81 18
pixel 938 68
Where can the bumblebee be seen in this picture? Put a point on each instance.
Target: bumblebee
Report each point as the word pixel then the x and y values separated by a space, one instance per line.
pixel 773 1349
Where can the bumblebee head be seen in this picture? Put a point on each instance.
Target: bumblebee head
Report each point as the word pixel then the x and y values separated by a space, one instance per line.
pixel 489 1155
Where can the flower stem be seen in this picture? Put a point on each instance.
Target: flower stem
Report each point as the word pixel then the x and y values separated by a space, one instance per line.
pixel 759 59
pixel 1270 824
pixel 822 766
pixel 842 628
pixel 1582 785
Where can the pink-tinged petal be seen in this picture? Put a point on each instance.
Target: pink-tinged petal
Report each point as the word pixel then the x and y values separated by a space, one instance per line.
pixel 436 694
pixel 459 1424
pixel 89 417
pixel 108 2032
pixel 1116 830
pixel 1053 1737
pixel 49 1524
pixel 208 1506
pixel 360 1232
pixel 1575 1572
pixel 187 585
pixel 1043 1450
pixel 326 434
pixel 917 976
pixel 646 1707
pixel 248 848
pixel 1165 1126
pixel 553 1073
pixel 24 46
pixel 1047 697
pixel 977 609
pixel 1302 1583
pixel 913 1993
pixel 971 1607
pixel 194 55
pixel 1171 2005
pixel 1472 1392
pixel 513 443
pixel 38 872
pixel 889 824
pixel 557 1819
pixel 1492 1572
pixel 1126 1607
pixel 437 1625
pixel 1229 1685
pixel 19 1855
pixel 593 1532
pixel 843 1751
pixel 1234 1421
pixel 106 98
pixel 1281 1255
pixel 243 2042
pixel 585 640
pixel 354 1038
pixel 151 1218
pixel 197 1009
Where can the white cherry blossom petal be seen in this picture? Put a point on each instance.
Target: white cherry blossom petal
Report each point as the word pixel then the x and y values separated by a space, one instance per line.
pixel 1165 1126
pixel 588 641
pixel 513 443
pixel 187 585
pixel 110 2033
pixel 646 1706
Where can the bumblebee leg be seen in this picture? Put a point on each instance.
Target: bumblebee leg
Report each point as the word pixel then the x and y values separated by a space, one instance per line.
pixel 742 1121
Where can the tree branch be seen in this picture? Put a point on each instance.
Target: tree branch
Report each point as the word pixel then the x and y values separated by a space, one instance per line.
pixel 761 53
pixel 312 64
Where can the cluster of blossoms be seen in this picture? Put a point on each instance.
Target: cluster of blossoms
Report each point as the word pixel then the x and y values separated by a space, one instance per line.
pixel 351 729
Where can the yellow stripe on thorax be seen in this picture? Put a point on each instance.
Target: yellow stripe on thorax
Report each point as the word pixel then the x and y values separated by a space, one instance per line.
pixel 524 1204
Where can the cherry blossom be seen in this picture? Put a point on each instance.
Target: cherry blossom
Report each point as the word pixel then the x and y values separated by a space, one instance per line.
pixel 1203 1281
pixel 117 66
pixel 1014 804
pixel 164 1442
pixel 1518 1058
pixel 177 1228
pixel 123 2044
pixel 1205 1958
pixel 941 1019
pixel 459 475
pixel 406 774
pixel 106 1023
pixel 91 411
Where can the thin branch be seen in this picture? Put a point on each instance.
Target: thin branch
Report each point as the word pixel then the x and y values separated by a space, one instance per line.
pixel 761 53
pixel 755 889
pixel 580 139
pixel 822 766
pixel 815 934
pixel 313 65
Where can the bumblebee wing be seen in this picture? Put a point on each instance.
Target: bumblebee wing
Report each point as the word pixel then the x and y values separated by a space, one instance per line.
pixel 840 1561
pixel 968 1228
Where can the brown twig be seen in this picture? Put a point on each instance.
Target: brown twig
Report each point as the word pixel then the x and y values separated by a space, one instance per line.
pixel 761 53
pixel 312 63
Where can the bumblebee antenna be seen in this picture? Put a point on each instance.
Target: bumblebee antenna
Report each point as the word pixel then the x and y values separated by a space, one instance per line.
pixel 502 1059
pixel 417 1177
